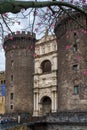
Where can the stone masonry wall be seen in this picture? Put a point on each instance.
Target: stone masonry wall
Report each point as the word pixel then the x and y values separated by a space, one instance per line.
pixel 72 64
pixel 19 53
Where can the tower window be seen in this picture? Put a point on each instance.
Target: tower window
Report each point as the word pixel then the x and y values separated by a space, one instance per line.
pixel 75 47
pixel 11 106
pixel 12 62
pixel 75 34
pixel 11 96
pixel 75 67
pixel 1 81
pixel 76 89
pixel 4 81
pixel 11 77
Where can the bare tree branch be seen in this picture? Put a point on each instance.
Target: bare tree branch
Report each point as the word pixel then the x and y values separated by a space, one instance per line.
pixel 16 6
pixel 6 24
pixel 80 24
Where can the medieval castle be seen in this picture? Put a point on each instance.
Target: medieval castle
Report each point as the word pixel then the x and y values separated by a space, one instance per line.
pixel 49 75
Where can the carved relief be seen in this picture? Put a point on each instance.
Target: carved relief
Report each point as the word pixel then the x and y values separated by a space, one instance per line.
pixel 48 46
pixel 43 49
pixel 46 78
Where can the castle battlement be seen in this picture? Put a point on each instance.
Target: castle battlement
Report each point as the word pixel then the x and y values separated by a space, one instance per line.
pixel 19 40
pixel 19 34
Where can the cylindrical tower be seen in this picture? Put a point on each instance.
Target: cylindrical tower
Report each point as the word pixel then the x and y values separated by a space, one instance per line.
pixel 19 50
pixel 72 63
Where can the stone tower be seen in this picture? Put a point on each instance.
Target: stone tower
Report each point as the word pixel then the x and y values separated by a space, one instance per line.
pixel 72 63
pixel 19 51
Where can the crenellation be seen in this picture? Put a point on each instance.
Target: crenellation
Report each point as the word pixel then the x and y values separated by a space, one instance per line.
pixel 19 35
pixel 19 41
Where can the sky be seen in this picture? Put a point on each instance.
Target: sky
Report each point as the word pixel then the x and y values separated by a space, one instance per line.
pixel 2 60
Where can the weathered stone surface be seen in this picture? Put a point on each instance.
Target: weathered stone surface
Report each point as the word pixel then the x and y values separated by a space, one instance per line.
pixel 69 33
pixel 61 121
pixel 19 73
pixel 19 128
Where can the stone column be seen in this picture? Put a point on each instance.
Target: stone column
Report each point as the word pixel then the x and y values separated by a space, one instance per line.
pixel 35 113
pixel 34 101
pixel 54 101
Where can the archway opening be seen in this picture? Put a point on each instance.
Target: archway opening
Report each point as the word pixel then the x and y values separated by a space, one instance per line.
pixel 46 105
pixel 46 66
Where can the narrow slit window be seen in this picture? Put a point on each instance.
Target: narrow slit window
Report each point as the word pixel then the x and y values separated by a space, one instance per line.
pixel 1 81
pixel 11 96
pixel 11 107
pixel 4 81
pixel 11 77
pixel 75 47
pixel 12 62
pixel 76 89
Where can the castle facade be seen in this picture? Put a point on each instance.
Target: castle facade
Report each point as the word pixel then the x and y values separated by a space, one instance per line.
pixel 45 76
pixel 54 79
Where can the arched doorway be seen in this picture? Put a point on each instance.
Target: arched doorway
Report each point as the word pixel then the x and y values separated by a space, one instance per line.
pixel 46 105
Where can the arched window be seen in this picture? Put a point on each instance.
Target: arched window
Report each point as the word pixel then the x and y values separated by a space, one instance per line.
pixel 46 66
pixel 46 105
